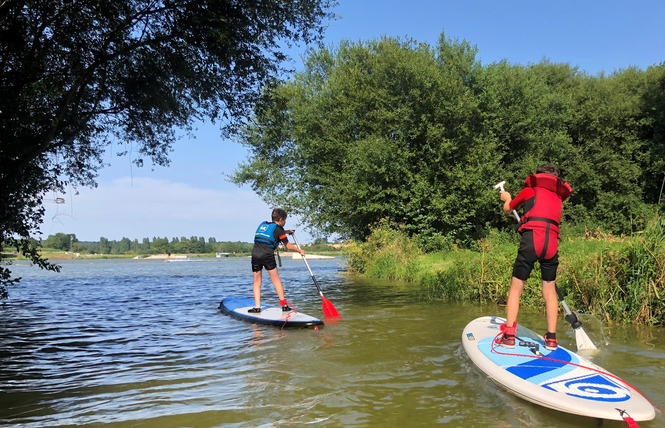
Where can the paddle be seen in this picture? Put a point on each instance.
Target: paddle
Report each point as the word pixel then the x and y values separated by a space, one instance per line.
pixel 329 310
pixel 581 338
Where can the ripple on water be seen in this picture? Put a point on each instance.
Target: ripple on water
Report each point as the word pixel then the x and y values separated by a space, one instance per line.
pixel 144 344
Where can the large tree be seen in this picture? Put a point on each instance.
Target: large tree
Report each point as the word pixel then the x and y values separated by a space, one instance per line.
pixel 397 130
pixel 76 76
pixel 384 129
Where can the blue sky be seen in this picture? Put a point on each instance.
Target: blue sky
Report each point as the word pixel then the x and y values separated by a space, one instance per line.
pixel 192 198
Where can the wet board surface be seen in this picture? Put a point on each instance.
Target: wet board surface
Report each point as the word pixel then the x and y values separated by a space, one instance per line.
pixel 560 379
pixel 237 307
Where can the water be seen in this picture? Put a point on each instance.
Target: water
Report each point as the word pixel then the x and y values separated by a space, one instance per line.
pixel 141 343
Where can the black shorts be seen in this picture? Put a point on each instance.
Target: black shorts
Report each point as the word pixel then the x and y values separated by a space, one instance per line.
pixel 527 257
pixel 263 256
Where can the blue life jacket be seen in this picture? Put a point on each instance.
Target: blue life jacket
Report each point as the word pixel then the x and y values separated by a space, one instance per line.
pixel 265 234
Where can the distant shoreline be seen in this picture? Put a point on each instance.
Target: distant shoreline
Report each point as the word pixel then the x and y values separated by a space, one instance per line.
pixel 66 255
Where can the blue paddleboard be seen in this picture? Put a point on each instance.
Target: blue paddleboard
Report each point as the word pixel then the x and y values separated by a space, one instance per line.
pixel 238 308
pixel 559 379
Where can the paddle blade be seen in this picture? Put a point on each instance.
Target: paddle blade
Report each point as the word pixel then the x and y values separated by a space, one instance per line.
pixel 329 310
pixel 583 340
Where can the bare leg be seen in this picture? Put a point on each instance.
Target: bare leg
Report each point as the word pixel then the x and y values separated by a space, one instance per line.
pixel 277 282
pixel 513 305
pixel 257 289
pixel 551 305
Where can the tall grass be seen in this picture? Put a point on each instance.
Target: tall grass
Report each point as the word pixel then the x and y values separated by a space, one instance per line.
pixel 388 253
pixel 625 283
pixel 616 278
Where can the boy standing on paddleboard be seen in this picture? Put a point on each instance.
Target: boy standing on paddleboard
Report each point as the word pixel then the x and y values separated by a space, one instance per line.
pixel 268 236
pixel 542 197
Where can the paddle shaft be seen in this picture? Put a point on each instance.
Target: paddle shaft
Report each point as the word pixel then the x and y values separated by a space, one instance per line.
pixel 570 316
pixel 328 308
pixel 307 264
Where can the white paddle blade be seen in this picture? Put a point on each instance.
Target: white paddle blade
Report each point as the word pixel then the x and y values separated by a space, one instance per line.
pixel 583 340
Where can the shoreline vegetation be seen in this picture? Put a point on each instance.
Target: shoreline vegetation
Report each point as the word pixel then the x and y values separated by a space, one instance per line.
pixel 61 246
pixel 59 255
pixel 617 279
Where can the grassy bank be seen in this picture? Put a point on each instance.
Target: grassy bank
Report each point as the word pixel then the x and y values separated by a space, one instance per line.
pixel 619 280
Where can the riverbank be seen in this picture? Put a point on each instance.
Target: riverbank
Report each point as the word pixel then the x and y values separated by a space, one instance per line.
pixel 55 255
pixel 617 279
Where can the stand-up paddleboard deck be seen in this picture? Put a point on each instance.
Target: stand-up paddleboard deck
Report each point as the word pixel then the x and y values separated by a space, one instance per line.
pixel 237 307
pixel 560 379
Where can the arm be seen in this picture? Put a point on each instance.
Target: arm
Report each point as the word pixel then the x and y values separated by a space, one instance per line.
pixel 289 246
pixel 512 204
pixel 507 199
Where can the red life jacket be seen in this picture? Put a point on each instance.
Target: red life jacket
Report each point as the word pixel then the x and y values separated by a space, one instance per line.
pixel 543 211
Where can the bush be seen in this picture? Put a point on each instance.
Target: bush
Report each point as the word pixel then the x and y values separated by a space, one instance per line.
pixel 387 253
pixel 618 279
pixel 621 280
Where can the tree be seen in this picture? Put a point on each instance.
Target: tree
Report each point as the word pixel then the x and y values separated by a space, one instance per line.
pixel 121 247
pixel 160 245
pixel 396 130
pixel 60 241
pixel 654 116
pixel 76 76
pixel 104 246
pixel 382 129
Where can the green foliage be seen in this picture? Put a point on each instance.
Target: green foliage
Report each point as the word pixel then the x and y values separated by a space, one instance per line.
pixel 616 279
pixel 622 283
pixel 60 241
pixel 394 129
pixel 78 76
pixel 387 253
pixel 182 245
pixel 383 129
pixel 482 274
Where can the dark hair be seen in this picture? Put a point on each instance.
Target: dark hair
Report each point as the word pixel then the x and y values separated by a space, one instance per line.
pixel 548 168
pixel 278 214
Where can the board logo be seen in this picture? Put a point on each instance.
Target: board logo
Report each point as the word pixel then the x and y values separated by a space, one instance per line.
pixel 470 336
pixel 591 387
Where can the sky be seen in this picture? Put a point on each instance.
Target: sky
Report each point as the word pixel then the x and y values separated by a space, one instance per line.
pixel 192 197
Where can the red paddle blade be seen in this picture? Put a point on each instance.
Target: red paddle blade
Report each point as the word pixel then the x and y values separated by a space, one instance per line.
pixel 329 310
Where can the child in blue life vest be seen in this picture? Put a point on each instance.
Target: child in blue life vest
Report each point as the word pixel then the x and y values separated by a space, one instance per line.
pixel 542 198
pixel 268 236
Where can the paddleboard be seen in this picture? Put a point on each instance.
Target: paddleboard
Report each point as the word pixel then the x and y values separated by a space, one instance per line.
pixel 560 379
pixel 237 307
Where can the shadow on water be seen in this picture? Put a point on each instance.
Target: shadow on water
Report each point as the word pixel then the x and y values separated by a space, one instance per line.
pixel 135 343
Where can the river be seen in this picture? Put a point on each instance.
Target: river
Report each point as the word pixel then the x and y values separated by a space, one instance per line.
pixel 142 343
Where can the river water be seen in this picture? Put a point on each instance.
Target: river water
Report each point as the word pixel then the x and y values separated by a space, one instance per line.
pixel 142 343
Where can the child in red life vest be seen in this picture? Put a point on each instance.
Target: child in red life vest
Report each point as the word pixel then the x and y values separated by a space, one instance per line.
pixel 267 237
pixel 542 198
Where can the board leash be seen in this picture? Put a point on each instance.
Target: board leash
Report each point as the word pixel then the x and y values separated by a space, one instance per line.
pixel 291 313
pixel 626 417
pixel 538 355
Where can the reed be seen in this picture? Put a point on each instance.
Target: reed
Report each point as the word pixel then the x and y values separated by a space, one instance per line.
pixel 387 253
pixel 618 279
